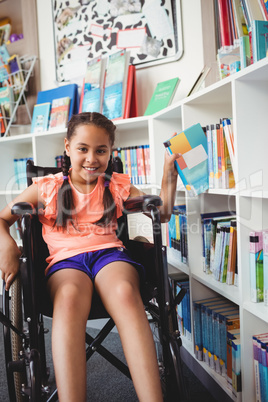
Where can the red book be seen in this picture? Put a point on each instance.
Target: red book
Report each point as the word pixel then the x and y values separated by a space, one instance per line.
pixel 131 104
pixel 224 21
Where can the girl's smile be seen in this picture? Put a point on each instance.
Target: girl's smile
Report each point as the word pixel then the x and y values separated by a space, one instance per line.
pixel 89 151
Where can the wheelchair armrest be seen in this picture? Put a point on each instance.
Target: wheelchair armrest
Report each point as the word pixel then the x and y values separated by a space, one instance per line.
pixel 23 208
pixel 142 203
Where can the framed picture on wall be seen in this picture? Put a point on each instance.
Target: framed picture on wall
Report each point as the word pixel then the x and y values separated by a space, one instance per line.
pixel 85 29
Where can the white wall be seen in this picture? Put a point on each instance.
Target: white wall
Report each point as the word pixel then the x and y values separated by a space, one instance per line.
pixel 187 68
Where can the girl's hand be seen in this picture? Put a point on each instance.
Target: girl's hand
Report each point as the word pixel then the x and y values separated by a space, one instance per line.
pixel 169 165
pixel 9 264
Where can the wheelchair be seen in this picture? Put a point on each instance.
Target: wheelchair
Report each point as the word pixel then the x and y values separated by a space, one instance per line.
pixel 27 302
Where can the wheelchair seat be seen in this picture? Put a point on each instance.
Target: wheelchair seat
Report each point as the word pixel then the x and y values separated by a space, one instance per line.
pixel 27 374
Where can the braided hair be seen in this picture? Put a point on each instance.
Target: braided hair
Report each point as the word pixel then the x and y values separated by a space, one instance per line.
pixel 65 203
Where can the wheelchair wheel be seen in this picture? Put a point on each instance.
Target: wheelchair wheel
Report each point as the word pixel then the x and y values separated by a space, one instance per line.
pixel 12 341
pixel 170 369
pixel 35 376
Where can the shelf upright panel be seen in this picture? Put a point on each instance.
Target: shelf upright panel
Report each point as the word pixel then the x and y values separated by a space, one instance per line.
pixel 49 144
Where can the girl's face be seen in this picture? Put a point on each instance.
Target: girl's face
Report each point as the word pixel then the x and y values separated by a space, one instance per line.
pixel 89 150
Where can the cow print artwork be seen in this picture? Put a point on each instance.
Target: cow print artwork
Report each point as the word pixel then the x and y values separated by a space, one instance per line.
pixel 85 29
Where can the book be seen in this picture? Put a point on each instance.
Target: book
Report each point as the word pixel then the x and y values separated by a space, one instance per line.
pixel 40 119
pixel 256 266
pixel 192 165
pixel 93 86
pixel 239 19
pixel 68 90
pixel 232 254
pixel 229 135
pixel 116 85
pixel 264 8
pixel 259 34
pixel 162 96
pixel 7 100
pixel 59 113
pixel 17 78
pixel 253 10
pixel 244 51
pixel 224 23
pixel 265 267
pixel 200 80
pixel 131 103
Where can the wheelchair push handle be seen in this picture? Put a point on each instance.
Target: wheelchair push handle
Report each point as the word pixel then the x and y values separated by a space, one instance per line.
pixel 142 203
pixel 23 208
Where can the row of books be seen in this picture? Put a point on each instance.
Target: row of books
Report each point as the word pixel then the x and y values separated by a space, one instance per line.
pixel 20 172
pixel 176 232
pixel 219 242
pixel 136 163
pixel 213 318
pixel 258 261
pixel 260 358
pixel 221 157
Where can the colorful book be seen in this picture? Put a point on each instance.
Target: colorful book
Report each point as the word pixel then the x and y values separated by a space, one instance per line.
pixel 59 113
pixel 40 119
pixel 7 100
pixel 93 86
pixel 229 135
pixel 259 40
pixel 256 266
pixel 192 165
pixel 162 96
pixel 224 23
pixel 232 254
pixel 264 8
pixel 265 267
pixel 116 85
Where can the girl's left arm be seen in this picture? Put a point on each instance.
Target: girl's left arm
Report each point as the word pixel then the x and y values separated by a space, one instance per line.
pixel 168 187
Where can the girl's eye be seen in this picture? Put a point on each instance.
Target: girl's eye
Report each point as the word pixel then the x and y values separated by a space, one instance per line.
pixel 101 151
pixel 82 149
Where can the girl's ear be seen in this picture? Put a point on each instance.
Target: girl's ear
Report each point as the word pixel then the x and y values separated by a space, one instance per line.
pixel 67 146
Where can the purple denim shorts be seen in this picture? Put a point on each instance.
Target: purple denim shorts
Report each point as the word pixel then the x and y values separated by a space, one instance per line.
pixel 92 262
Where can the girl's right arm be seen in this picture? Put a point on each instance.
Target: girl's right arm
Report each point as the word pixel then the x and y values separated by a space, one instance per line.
pixel 9 251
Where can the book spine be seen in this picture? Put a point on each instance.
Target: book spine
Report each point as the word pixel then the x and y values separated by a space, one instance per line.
pixel 256 266
pixel 265 268
pixel 225 31
pixel 215 156
pixel 210 158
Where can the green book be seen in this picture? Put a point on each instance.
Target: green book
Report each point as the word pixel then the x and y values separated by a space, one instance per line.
pixel 162 96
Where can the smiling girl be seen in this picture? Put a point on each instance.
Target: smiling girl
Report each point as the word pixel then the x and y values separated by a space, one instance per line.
pixel 81 207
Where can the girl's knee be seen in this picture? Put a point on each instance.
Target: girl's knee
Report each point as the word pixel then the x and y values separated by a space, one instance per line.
pixel 127 294
pixel 69 298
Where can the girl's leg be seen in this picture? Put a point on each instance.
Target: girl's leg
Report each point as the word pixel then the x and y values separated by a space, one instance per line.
pixel 71 292
pixel 118 286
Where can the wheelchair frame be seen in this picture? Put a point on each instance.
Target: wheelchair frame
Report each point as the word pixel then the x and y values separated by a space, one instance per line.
pixel 27 373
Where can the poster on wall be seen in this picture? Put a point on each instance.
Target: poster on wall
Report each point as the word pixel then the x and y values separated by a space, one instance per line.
pixel 86 29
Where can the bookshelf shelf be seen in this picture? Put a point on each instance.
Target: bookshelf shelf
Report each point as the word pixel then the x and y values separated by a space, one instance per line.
pixel 243 97
pixel 231 292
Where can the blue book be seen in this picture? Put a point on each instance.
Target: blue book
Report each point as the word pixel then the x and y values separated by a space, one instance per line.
pixel 192 165
pixel 259 40
pixel 69 90
pixel 92 100
pixel 40 119
pixel 112 101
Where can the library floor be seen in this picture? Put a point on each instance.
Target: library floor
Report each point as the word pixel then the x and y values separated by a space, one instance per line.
pixel 105 383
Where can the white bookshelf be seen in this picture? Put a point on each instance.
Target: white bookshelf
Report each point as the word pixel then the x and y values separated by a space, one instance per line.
pixel 244 97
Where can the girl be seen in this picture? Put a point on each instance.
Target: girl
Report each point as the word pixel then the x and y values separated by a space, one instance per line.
pixel 81 206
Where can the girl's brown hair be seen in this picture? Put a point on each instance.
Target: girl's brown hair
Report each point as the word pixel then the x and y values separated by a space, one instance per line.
pixel 65 203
